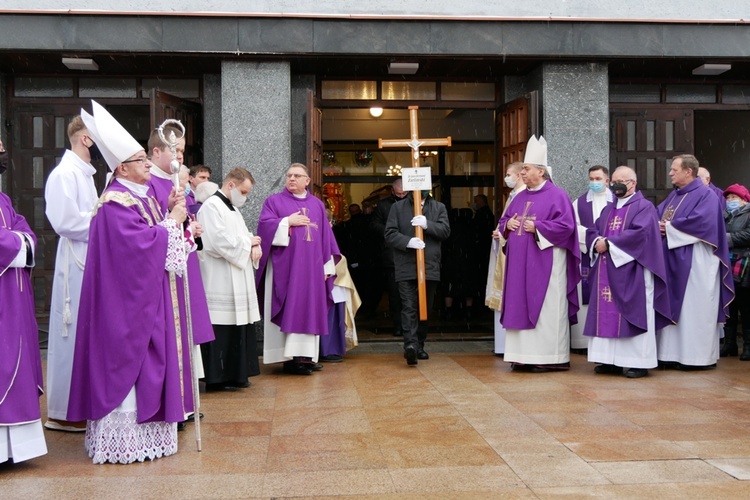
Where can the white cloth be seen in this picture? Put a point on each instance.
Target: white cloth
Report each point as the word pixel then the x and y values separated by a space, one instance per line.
pixel 19 261
pixel 70 196
pixel 22 441
pixel 499 334
pixel 226 267
pixel 119 438
pixel 694 340
pixel 598 202
pixel 549 342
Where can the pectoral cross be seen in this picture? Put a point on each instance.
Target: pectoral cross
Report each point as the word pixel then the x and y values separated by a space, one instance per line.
pixel 415 143
pixel 607 294
pixel 308 233
pixel 615 224
pixel 669 213
pixel 525 216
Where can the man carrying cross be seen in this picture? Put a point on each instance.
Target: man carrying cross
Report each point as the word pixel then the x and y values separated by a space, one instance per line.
pixel 541 273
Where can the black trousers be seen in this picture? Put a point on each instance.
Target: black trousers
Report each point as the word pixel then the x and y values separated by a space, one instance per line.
pixel 394 299
pixel 232 357
pixel 415 331
pixel 738 308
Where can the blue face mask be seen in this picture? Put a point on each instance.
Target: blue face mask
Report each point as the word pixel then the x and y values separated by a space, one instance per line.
pixel 733 206
pixel 187 189
pixel 596 186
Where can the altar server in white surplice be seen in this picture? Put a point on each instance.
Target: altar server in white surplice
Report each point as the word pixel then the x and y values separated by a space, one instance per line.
pixel 70 196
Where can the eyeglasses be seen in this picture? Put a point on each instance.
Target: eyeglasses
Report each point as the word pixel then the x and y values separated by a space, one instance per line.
pixel 296 176
pixel 137 160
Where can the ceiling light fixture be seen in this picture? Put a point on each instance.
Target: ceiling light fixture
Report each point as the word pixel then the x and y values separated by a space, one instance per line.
pixel 712 69
pixel 403 68
pixel 80 63
pixel 376 111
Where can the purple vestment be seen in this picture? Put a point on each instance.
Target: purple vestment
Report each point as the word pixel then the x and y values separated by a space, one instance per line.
pixel 202 330
pixel 720 194
pixel 618 301
pixel 301 294
pixel 694 211
pixel 527 268
pixel 335 342
pixel 20 364
pixel 586 216
pixel 126 333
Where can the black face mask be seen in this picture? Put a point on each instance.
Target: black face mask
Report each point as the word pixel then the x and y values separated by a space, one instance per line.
pixel 619 189
pixel 94 152
pixel 425 194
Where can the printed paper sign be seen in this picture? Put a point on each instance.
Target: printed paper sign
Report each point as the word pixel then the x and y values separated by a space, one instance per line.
pixel 416 179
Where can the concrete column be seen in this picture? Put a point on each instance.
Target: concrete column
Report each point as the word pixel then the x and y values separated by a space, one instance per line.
pixel 212 137
pixel 256 127
pixel 575 117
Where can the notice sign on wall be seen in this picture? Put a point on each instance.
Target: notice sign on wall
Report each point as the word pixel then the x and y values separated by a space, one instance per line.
pixel 416 179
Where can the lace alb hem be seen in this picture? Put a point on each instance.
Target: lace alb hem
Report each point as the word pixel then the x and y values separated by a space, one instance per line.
pixel 176 255
pixel 118 438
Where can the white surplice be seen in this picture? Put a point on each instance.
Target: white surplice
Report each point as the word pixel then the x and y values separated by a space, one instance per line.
pixel 598 202
pixel 70 196
pixel 226 267
pixel 694 340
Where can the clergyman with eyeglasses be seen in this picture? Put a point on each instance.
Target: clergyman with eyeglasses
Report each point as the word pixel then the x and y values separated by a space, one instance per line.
pixel 295 276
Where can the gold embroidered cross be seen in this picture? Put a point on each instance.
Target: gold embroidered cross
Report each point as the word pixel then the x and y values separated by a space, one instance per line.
pixel 308 233
pixel 607 294
pixel 615 224
pixel 525 216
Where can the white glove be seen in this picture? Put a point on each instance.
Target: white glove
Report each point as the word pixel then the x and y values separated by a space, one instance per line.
pixel 415 243
pixel 419 220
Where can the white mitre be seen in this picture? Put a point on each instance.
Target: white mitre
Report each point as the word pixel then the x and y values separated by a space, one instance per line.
pixel 114 142
pixel 536 153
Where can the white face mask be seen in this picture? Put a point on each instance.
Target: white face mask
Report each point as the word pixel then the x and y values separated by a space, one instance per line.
pixel 236 198
pixel 510 182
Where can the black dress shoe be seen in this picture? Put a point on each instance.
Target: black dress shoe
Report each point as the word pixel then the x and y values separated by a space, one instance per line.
pixel 636 373
pixel 520 367
pixel 191 417
pixel 692 368
pixel 181 426
pixel 316 367
pixel 297 368
pixel 221 386
pixel 608 369
pixel 410 354
pixel 332 358
pixel 422 354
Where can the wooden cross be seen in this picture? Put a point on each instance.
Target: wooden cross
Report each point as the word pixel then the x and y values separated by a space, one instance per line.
pixel 415 143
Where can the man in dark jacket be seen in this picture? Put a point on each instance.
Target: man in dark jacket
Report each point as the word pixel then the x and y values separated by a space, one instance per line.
pixel 400 236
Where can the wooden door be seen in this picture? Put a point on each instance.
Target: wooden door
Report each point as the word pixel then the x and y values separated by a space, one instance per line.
pixel 38 140
pixel 164 106
pixel 515 122
pixel 315 144
pixel 646 140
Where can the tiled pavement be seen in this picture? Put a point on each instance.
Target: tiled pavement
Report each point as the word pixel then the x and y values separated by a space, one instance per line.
pixel 459 425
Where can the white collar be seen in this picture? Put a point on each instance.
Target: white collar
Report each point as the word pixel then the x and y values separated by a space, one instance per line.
pixel 81 165
pixel 621 202
pixel 300 196
pixel 590 195
pixel 140 190
pixel 158 172
pixel 540 186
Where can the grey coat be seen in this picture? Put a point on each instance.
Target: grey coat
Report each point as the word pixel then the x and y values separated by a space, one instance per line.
pixel 398 232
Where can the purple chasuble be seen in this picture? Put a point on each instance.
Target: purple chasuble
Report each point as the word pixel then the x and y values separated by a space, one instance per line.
pixel 301 294
pixel 335 341
pixel 618 301
pixel 720 194
pixel 202 330
pixel 20 364
pixel 694 211
pixel 586 216
pixel 127 335
pixel 527 268
pixel 192 205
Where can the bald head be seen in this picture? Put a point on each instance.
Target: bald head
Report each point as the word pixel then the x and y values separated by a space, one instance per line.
pixel 705 175
pixel 397 189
